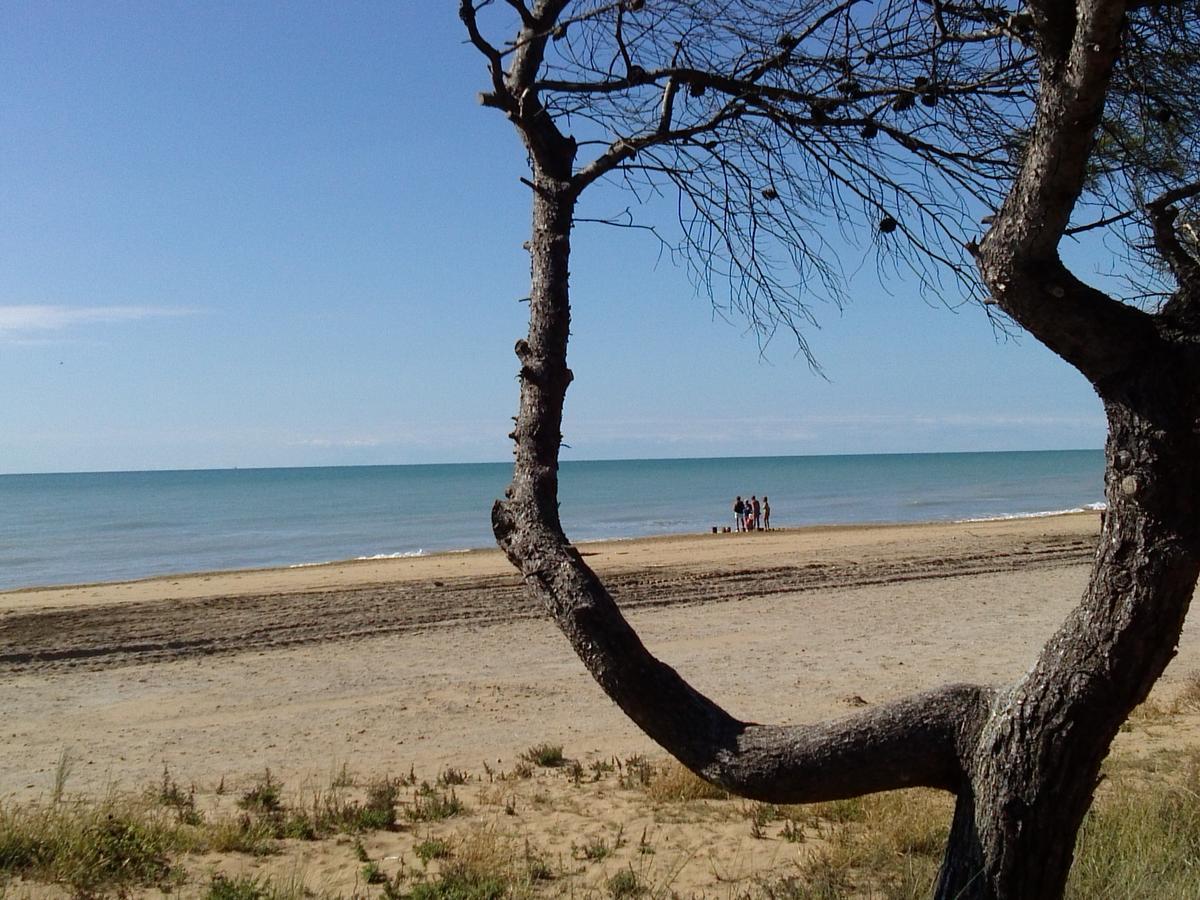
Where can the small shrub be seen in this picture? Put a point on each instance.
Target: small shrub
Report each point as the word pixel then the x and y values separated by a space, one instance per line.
pixel 548 756
pixel 331 812
pixel 792 833
pixel 636 772
pixel 242 834
pixel 826 876
pixel 625 883
pixel 451 776
pixel 594 850
pixel 788 888
pixel 297 825
pixel 264 796
pixel 243 887
pixel 171 794
pixel 430 805
pixel 378 813
pixel 485 866
pixel 432 848
pixel 360 851
pixel 536 868
pixel 459 884
pixel 119 849
pixel 760 815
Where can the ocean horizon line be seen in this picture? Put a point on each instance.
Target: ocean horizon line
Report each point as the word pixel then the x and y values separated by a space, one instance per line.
pixel 509 463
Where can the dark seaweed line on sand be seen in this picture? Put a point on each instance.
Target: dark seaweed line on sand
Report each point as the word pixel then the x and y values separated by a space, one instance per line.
pixel 161 630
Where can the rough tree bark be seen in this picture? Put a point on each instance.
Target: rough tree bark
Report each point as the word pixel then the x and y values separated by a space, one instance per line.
pixel 1022 760
pixel 1035 766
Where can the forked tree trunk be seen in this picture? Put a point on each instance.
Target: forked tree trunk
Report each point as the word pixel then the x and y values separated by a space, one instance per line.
pixel 1038 757
pixel 1023 761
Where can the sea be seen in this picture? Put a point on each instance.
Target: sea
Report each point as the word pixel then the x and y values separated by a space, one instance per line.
pixel 115 526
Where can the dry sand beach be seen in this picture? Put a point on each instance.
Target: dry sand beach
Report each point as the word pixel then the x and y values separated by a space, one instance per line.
pixel 424 663
pixel 442 660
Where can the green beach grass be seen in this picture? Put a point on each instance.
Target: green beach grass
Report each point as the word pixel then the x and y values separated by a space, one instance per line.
pixel 400 838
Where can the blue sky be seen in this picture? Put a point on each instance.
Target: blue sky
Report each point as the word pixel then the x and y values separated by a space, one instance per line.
pixel 259 234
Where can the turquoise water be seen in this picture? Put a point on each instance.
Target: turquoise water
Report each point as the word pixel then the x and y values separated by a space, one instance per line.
pixel 70 528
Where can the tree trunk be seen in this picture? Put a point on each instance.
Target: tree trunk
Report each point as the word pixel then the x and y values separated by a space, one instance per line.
pixel 1038 758
pixel 543 354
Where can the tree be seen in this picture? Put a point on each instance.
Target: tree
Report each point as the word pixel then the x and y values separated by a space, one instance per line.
pixel 769 119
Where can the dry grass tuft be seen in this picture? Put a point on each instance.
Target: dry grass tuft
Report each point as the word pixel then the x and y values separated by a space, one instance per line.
pixel 1151 712
pixel 113 845
pixel 1142 839
pixel 1188 700
pixel 672 783
pixel 481 864
pixel 886 845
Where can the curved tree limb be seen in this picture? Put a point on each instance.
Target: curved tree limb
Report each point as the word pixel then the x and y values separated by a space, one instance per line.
pixel 915 741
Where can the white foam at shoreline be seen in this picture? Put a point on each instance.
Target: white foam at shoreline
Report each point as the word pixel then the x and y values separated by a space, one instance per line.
pixel 1088 507
pixel 408 554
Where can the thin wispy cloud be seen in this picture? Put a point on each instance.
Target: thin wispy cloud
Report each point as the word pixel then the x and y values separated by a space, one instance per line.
pixel 808 425
pixel 24 323
pixel 336 442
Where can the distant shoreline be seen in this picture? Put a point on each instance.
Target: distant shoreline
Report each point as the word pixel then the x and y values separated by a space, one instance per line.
pixel 117 527
pixel 480 561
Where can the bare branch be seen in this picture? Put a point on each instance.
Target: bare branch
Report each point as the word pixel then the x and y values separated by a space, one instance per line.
pixel 499 96
pixel 1183 264
pixel 527 19
pixel 624 148
pixel 668 106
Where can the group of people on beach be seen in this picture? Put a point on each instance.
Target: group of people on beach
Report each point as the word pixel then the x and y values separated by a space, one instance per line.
pixel 750 515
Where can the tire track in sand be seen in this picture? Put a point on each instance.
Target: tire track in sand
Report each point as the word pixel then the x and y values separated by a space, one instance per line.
pixel 160 630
